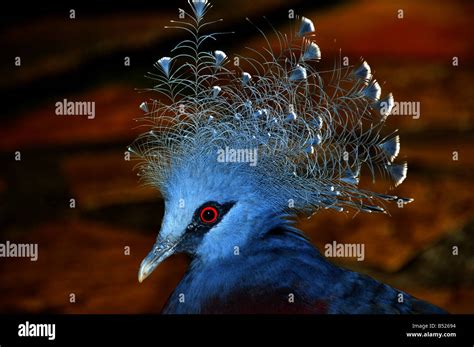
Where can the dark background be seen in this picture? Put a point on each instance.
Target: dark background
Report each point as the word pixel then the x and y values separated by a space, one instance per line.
pixel 81 250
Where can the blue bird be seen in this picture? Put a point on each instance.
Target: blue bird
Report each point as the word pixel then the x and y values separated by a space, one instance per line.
pixel 234 170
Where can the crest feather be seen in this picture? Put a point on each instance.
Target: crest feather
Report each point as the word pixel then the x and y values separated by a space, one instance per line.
pixel 313 131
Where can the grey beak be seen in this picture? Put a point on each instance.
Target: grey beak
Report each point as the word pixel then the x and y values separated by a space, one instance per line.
pixel 162 249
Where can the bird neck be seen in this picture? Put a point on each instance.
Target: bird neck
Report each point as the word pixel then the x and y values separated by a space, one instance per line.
pixel 280 238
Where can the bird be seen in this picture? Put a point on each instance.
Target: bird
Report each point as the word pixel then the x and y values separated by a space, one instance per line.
pixel 242 145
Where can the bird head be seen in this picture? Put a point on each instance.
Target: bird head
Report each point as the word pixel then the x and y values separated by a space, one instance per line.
pixel 212 209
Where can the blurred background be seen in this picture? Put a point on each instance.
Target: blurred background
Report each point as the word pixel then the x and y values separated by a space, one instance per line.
pixel 83 250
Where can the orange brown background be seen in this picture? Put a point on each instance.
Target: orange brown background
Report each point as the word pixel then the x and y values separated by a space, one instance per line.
pixel 81 250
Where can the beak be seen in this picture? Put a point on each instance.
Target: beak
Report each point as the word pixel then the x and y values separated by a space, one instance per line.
pixel 162 249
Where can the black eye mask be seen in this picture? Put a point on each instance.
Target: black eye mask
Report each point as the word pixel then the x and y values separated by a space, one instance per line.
pixel 205 218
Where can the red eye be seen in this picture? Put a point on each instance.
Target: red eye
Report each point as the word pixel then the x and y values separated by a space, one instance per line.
pixel 209 214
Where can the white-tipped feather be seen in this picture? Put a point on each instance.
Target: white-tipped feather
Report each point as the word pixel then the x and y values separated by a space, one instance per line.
pixel 246 77
pixel 144 107
pixel 370 209
pixel 260 113
pixel 299 73
pixel 317 123
pixel 372 91
pixel 306 26
pixel 350 179
pixel 164 64
pixel 216 90
pixel 200 7
pixel 391 147
pixel 309 149
pixel 316 141
pixel 312 52
pixel 219 57
pixel 363 72
pixel 398 172
pixel 291 117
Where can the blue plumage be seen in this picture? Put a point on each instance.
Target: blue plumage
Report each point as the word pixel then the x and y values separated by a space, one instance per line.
pixel 281 272
pixel 391 147
pixel 238 153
